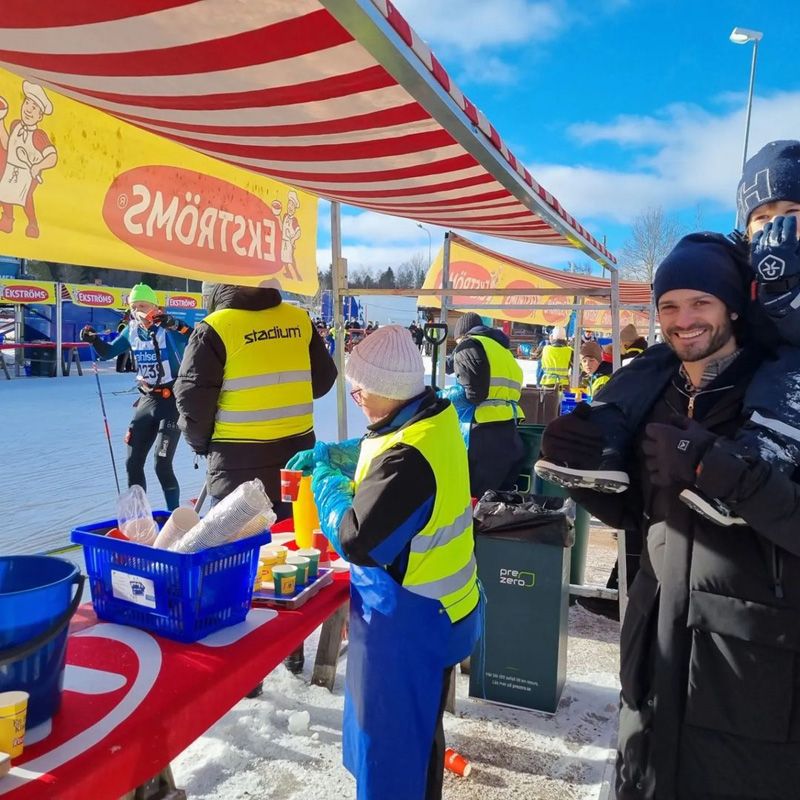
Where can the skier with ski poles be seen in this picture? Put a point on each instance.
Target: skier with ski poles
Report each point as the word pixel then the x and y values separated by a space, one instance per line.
pixel 157 341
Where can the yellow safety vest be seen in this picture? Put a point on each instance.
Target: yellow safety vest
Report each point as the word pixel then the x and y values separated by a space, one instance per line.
pixel 596 384
pixel 505 384
pixel 266 385
pixel 441 562
pixel 555 365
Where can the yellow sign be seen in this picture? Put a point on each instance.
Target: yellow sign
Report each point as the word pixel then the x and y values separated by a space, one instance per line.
pixel 79 186
pixel 472 269
pixel 22 291
pixel 94 296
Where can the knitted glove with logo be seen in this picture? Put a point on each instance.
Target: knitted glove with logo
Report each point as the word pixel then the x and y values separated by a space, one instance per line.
pixel 673 452
pixel 775 256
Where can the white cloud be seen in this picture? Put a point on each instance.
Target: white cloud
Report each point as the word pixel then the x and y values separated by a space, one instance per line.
pixel 469 27
pixel 678 158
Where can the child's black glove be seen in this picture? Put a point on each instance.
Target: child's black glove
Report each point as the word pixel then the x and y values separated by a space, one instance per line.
pixel 775 255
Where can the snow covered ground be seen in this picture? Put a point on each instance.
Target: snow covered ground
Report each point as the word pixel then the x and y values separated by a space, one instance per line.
pixel 56 473
pixel 56 467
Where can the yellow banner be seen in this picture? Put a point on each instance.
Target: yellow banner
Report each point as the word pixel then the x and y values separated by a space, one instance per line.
pixel 94 296
pixel 79 186
pixel 23 291
pixel 472 269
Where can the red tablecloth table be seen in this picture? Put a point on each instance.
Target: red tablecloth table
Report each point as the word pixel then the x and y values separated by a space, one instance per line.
pixel 133 701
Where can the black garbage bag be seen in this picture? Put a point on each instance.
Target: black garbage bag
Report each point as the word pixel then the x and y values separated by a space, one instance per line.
pixel 548 520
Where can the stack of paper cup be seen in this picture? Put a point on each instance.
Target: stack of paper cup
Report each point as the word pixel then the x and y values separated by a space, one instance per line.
pixel 180 522
pixel 226 519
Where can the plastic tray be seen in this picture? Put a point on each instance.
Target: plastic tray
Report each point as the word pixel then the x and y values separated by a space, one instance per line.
pixel 301 596
pixel 183 596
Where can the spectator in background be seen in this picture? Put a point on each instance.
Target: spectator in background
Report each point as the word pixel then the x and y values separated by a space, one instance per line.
pixel 556 359
pixel 632 344
pixel 490 381
pixel 596 371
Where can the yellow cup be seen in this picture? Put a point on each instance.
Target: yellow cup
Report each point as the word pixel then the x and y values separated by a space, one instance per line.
pixel 272 559
pixel 13 711
pixel 304 510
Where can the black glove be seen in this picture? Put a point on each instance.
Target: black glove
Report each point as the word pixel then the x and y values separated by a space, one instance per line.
pixel 574 440
pixel 88 334
pixel 166 321
pixel 775 254
pixel 673 452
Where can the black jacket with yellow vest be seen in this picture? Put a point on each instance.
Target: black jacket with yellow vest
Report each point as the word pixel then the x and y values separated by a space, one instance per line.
pixel 246 385
pixel 495 448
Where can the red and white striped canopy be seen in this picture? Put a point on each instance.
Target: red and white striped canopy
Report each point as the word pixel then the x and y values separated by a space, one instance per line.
pixel 339 97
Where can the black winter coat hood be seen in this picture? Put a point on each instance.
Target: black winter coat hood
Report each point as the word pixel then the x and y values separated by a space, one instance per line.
pixel 244 298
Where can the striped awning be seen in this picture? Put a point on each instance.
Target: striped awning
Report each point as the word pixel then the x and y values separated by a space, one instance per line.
pixel 339 97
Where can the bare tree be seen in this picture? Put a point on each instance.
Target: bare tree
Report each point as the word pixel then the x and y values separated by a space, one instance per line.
pixel 653 235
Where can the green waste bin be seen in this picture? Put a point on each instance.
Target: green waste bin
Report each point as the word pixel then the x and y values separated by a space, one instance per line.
pixel 528 481
pixel 521 657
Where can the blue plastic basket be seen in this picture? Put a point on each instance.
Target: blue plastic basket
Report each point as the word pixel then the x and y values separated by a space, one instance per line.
pixel 183 596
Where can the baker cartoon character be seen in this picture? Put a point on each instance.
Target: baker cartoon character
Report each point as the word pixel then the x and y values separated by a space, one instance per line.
pixel 290 233
pixel 28 153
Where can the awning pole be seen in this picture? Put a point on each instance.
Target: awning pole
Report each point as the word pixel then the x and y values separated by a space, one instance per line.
pixel 59 332
pixel 616 345
pixel 440 378
pixel 338 290
pixel 19 338
pixel 651 331
pixel 576 351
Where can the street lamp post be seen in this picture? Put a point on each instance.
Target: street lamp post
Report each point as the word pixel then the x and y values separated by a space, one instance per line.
pixel 743 36
pixel 430 241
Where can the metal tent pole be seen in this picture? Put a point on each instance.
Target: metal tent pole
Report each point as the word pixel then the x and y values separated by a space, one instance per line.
pixel 19 338
pixel 615 342
pixel 440 378
pixel 651 327
pixel 59 332
pixel 576 351
pixel 339 288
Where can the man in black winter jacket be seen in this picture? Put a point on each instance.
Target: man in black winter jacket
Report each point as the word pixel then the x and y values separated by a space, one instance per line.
pixel 710 644
pixel 246 384
pixel 495 447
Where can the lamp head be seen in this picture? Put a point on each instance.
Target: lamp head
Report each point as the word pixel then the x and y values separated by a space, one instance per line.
pixel 745 35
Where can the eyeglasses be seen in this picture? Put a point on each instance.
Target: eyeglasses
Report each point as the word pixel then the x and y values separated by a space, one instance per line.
pixel 356 395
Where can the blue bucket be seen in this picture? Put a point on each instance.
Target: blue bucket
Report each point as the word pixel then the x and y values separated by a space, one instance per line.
pixel 36 605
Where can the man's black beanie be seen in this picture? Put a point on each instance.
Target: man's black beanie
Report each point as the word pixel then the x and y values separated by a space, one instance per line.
pixel 466 323
pixel 773 173
pixel 706 262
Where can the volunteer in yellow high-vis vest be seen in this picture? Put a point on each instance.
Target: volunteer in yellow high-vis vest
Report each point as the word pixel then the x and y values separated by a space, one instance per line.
pixel 556 360
pixel 490 384
pixel 246 387
pixel 397 506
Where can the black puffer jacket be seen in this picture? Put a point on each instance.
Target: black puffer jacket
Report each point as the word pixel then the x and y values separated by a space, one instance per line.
pixel 197 392
pixel 710 645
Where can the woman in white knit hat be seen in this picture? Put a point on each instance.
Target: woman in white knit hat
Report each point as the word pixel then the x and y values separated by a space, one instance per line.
pixel 404 522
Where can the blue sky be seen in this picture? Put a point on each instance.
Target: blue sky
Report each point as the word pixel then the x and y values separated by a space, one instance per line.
pixel 614 105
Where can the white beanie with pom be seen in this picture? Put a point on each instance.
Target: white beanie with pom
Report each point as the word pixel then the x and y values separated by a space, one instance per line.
pixel 387 363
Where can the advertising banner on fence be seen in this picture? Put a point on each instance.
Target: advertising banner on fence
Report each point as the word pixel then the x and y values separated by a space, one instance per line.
pixel 79 186
pixel 94 296
pixel 24 291
pixel 476 268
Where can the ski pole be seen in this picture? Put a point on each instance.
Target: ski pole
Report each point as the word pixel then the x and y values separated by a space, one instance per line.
pixel 201 498
pixel 105 422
